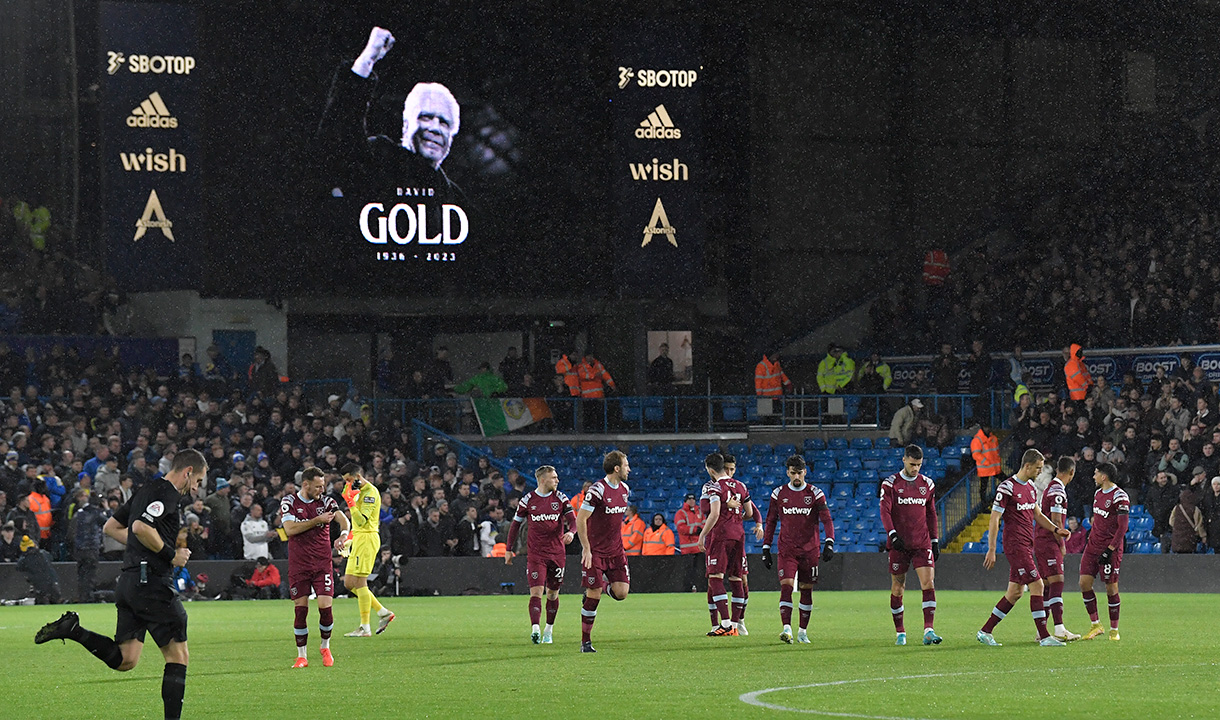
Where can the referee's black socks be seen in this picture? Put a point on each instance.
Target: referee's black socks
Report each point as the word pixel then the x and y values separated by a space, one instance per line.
pixel 173 687
pixel 102 647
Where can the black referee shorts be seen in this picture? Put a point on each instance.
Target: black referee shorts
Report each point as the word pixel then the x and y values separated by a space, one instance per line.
pixel 153 608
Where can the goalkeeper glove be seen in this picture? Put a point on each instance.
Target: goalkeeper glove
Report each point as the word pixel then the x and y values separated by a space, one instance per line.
pixel 1106 555
pixel 767 556
pixel 896 542
pixel 345 544
pixel 935 549
pixel 828 549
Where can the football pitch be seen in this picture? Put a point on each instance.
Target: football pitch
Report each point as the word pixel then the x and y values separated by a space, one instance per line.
pixel 450 657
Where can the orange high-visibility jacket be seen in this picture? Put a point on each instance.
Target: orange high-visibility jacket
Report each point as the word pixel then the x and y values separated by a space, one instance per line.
pixel 40 505
pixel 769 378
pixel 633 535
pixel 593 378
pixel 1078 377
pixel 659 542
pixel 689 524
pixel 564 367
pixel 935 267
pixel 986 452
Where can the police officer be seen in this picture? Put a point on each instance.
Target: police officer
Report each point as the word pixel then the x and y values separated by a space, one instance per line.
pixel 144 597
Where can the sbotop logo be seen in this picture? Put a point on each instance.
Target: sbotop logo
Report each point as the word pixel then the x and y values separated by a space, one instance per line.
pixel 152 113
pixel 658 126
pixel 657 78
pixel 155 64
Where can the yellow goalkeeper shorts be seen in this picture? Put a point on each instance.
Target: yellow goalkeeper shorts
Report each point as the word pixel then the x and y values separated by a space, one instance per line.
pixel 365 547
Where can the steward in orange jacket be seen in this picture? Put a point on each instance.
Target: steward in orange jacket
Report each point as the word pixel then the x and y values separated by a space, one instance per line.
pixel 633 532
pixel 985 448
pixel 593 378
pixel 40 505
pixel 689 522
pixel 564 367
pixel 769 378
pixel 935 267
pixel 1078 378
pixel 658 538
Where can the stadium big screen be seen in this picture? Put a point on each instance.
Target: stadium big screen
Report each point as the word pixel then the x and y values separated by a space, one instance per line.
pixel 428 148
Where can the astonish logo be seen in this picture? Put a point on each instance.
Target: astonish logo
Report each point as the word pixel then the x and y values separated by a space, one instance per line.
pixel 153 217
pixel 658 224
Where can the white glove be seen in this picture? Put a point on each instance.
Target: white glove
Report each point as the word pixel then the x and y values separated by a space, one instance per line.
pixel 345 544
pixel 380 42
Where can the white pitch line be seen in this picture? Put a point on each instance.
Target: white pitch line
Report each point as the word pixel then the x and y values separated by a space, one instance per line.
pixel 752 698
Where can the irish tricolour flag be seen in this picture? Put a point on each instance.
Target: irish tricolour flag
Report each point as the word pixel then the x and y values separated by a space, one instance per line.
pixel 503 415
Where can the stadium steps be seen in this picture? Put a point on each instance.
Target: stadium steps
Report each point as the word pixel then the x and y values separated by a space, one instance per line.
pixel 971 533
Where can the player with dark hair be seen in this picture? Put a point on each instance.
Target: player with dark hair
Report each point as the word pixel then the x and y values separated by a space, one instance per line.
pixel 1016 501
pixel 144 596
pixel 802 506
pixel 551 522
pixel 1104 552
pixel 1050 549
pixel 307 515
pixel 363 547
pixel 740 597
pixel 723 539
pixel 603 563
pixel 908 513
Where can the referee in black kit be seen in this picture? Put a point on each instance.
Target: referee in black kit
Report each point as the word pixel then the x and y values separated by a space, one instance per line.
pixel 144 597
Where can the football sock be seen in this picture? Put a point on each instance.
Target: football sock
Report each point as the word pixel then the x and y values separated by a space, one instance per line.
pixel 552 607
pixel 716 587
pixel 588 613
pixel 805 606
pixel 365 599
pixel 1038 611
pixel 1113 611
pixel 929 608
pixel 173 687
pixel 1090 605
pixel 326 623
pixel 997 614
pixel 535 610
pixel 1053 600
pixel 100 646
pixel 373 604
pixel 711 607
pixel 739 601
pixel 896 610
pixel 300 628
pixel 745 596
pixel 785 604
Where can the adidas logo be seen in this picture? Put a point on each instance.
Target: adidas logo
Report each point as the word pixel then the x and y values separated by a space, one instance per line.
pixel 658 126
pixel 152 113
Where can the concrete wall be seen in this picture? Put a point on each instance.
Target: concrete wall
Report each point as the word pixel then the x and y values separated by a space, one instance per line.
pixel 847 571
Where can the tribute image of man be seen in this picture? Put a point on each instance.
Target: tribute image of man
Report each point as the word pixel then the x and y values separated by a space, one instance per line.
pixel 380 164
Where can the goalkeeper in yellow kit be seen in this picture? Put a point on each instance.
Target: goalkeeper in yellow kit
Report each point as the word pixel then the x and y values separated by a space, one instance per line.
pixel 363 546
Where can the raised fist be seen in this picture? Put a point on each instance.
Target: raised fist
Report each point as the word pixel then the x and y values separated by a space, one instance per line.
pixel 380 42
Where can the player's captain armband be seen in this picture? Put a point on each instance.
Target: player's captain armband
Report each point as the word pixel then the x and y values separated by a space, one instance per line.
pixel 282 535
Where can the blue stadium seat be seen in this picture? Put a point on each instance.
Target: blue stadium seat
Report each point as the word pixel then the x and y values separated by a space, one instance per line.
pixel 825 466
pixel 850 463
pixel 845 476
pixel 814 444
pixel 654 410
pixel 823 476
pixel 685 449
pixel 843 492
pixel 862 443
pixel 638 450
pixel 517 451
pixel 930 453
pixel 974 547
pixel 812 455
pixel 629 408
pixel 785 450
pixel 837 443
pixel 760 450
pixel 732 412
pixel 608 449
pixel 1143 548
pixel 739 449
pixel 1138 510
pixel 586 450
pixel 882 442
pixel 708 449
pixel 663 449
pixel 873 465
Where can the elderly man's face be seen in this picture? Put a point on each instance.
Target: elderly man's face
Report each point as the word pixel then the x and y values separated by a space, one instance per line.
pixel 435 132
pixel 1216 485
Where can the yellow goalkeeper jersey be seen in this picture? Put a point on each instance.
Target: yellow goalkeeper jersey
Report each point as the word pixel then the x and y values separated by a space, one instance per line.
pixel 365 505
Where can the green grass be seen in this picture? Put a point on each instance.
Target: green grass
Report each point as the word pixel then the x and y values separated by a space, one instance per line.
pixel 471 657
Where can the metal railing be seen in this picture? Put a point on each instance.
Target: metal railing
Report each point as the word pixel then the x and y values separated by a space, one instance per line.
pixel 679 414
pixel 959 505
